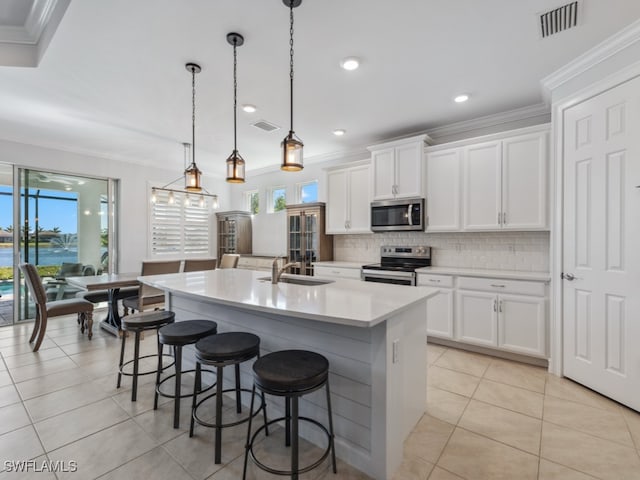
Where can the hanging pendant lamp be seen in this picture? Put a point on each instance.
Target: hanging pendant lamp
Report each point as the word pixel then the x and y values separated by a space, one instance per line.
pixel 192 174
pixel 291 145
pixel 235 162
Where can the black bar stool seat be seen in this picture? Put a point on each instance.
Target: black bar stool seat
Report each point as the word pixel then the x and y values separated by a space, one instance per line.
pixel 138 323
pixel 291 374
pixel 224 349
pixel 177 335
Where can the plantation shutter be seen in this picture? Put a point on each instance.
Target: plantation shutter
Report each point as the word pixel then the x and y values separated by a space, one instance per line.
pixel 178 228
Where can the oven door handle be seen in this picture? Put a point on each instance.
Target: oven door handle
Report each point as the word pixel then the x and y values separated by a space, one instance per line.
pixel 391 276
pixel 409 217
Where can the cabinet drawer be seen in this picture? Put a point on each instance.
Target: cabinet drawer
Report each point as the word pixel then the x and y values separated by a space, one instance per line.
pixel 430 280
pixel 502 286
pixel 353 273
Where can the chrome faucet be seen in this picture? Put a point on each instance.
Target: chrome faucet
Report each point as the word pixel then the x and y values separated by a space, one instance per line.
pixel 276 272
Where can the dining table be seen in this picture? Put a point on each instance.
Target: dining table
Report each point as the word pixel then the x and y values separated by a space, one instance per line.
pixel 112 283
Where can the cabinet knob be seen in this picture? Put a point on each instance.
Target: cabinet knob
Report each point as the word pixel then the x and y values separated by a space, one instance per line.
pixel 496 285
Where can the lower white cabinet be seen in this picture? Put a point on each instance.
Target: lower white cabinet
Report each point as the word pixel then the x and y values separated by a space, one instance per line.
pixel 509 315
pixel 336 272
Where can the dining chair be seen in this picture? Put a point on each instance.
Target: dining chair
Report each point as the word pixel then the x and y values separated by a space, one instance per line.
pixel 199 264
pixel 55 308
pixel 229 260
pixel 148 296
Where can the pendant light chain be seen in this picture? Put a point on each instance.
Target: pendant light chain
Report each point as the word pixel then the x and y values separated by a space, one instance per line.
pixel 291 59
pixel 193 115
pixel 235 96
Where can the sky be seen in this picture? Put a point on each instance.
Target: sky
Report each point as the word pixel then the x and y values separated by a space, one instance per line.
pixel 51 213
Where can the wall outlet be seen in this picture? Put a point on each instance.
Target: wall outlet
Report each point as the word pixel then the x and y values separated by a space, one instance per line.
pixel 395 348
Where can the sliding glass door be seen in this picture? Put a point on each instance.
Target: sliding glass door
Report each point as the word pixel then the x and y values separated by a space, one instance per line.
pixel 63 224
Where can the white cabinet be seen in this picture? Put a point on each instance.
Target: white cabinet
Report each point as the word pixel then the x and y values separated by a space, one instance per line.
pixel 326 271
pixel 440 306
pixel 348 200
pixel 397 168
pixel 495 316
pixel 444 175
pixel 505 183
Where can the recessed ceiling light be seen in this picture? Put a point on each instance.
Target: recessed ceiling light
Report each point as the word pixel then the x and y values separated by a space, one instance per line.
pixel 339 132
pixel 461 98
pixel 249 108
pixel 350 63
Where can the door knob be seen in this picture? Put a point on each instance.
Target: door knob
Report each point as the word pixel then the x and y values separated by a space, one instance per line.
pixel 569 276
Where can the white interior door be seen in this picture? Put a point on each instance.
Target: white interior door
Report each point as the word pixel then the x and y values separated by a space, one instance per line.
pixel 601 289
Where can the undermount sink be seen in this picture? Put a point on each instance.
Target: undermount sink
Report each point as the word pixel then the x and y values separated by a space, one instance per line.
pixel 299 281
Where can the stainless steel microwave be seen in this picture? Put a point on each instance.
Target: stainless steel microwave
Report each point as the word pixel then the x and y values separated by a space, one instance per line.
pixel 397 215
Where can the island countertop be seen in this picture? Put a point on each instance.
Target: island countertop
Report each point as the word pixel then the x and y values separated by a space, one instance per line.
pixel 344 302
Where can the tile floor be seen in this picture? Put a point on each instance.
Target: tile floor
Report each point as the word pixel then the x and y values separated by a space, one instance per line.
pixel 486 419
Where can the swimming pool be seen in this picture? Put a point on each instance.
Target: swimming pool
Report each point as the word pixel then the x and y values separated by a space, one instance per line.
pixel 6 287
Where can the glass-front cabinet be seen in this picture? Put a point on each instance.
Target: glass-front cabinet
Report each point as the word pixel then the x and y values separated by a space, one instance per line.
pixel 306 240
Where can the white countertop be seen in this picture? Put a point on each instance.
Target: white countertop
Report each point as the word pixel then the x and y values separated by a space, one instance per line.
pixel 478 272
pixel 336 264
pixel 346 302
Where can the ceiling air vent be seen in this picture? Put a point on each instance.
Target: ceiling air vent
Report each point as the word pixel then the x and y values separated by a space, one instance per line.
pixel 266 126
pixel 559 19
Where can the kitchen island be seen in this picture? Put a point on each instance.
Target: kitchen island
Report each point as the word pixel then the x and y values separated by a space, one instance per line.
pixel 374 336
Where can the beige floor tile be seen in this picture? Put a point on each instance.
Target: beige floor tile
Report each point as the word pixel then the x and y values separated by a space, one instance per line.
pixel 434 352
pixel 98 368
pixel 159 423
pixel 144 397
pixel 465 362
pixel 5 378
pixel 50 383
pixel 569 390
pixel 345 472
pixel 21 444
pixel 61 401
pixel 606 424
pixel 34 357
pixel 451 381
pixel 476 457
pixel 68 427
pixel 441 474
pixel 103 451
pixel 35 471
pixel 428 439
pixel 595 456
pixel 23 346
pixel 42 369
pixel 506 426
pixel 13 417
pixel 8 395
pixel 554 471
pixel 513 398
pixel 16 331
pixel 517 375
pixel 633 422
pixel 413 469
pixel 445 405
pixel 154 465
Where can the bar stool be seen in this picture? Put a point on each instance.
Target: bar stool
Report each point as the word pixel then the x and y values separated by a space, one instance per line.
pixel 177 335
pixel 221 350
pixel 291 374
pixel 138 323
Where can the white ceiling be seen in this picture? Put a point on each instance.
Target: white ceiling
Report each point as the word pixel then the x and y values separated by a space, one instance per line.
pixel 113 82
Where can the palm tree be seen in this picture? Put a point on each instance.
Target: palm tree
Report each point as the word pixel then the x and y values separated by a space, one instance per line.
pixel 9 228
pixel 56 230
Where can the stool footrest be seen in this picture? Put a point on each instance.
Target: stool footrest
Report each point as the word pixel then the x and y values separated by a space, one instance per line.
pixel 306 469
pixel 130 374
pixel 199 421
pixel 171 395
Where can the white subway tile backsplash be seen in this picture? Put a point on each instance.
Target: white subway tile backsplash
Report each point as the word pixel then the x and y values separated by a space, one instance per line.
pixel 527 251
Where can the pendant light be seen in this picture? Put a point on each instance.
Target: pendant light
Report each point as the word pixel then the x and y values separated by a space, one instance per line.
pixel 291 145
pixel 235 162
pixel 192 173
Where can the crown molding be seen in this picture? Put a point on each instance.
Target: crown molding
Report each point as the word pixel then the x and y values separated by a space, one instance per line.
pixel 493 120
pixel 604 50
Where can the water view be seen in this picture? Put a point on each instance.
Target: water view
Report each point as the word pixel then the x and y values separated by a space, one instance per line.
pixel 46 256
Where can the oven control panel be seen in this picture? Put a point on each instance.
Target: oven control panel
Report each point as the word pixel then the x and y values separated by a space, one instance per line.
pixel 412 251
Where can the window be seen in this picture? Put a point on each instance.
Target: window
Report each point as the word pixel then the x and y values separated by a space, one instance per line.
pixel 278 198
pixel 252 201
pixel 308 192
pixel 180 227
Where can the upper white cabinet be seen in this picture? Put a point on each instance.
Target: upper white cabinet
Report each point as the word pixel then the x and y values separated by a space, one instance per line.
pixel 348 200
pixel 397 168
pixel 505 184
pixel 444 177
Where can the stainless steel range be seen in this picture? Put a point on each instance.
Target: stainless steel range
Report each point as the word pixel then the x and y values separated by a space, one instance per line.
pixel 397 265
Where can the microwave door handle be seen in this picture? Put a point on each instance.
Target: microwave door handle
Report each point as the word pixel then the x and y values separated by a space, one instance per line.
pixel 409 214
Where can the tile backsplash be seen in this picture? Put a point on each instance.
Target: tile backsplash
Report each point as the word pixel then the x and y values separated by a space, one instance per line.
pixel 527 251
